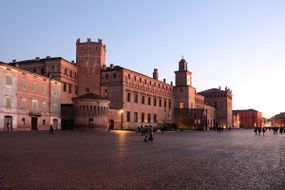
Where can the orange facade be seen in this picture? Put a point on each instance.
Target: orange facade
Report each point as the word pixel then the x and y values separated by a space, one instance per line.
pixel 249 118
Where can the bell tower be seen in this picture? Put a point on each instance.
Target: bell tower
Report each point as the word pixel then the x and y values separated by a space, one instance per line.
pixel 90 58
pixel 184 91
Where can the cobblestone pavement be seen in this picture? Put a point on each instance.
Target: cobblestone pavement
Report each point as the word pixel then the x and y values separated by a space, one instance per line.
pixel 96 159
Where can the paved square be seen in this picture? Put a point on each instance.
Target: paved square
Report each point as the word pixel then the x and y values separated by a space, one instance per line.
pixel 96 159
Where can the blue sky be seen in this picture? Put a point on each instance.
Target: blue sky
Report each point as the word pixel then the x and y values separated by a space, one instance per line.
pixel 234 43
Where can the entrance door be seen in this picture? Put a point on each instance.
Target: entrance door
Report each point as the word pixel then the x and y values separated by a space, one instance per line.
pixel 111 124
pixel 55 123
pixel 8 125
pixel 34 122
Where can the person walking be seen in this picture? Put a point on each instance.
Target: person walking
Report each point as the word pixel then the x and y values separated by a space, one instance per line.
pixel 263 131
pixel 255 131
pixel 259 130
pixel 50 129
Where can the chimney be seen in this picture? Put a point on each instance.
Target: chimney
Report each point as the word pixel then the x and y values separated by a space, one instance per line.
pixel 155 74
pixel 72 61
pixel 48 57
pixel 164 80
pixel 104 67
pixel 88 39
pixel 37 58
pixel 112 66
pixel 171 83
pixel 14 60
pixel 78 41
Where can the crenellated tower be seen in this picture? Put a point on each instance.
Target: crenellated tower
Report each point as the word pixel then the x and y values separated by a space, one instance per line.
pixel 90 58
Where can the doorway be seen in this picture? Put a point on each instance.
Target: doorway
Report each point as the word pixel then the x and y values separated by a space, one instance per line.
pixel 8 123
pixel 55 123
pixel 111 124
pixel 34 122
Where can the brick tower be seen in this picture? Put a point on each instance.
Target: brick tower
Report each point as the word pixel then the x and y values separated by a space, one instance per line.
pixel 184 92
pixel 90 57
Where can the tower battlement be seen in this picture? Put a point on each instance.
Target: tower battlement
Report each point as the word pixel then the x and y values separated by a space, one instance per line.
pixel 90 57
pixel 89 40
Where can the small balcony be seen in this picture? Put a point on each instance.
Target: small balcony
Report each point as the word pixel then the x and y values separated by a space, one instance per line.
pixel 35 113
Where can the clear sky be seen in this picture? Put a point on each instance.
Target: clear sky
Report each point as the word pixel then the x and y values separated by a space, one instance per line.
pixel 234 43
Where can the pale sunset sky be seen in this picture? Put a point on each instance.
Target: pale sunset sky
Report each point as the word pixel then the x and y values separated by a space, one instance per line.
pixel 234 43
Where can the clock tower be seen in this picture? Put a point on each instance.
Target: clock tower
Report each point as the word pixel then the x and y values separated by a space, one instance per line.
pixel 184 91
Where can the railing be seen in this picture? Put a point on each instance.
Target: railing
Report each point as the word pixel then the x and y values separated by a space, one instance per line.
pixel 34 113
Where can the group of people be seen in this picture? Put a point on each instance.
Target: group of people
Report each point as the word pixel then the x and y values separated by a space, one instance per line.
pixel 275 130
pixel 258 130
pixel 280 129
pixel 146 131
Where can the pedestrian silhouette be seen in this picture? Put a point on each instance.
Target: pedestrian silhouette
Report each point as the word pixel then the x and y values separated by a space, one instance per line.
pixel 263 131
pixel 50 130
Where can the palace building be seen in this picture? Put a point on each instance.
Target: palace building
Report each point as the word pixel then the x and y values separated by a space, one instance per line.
pixel 96 95
pixel 29 101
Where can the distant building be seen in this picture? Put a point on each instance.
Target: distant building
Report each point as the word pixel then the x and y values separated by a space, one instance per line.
pixel 134 99
pixel 249 118
pixel 29 101
pixel 278 120
pixel 221 100
pixel 56 68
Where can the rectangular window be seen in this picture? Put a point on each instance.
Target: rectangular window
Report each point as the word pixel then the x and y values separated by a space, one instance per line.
pixel 55 90
pixel 135 117
pixel 44 106
pixel 142 99
pixel 56 108
pixel 154 118
pixel 154 101
pixel 115 75
pixel 159 102
pixel 164 103
pixel 107 76
pixel 76 90
pixel 45 89
pixel 148 118
pixel 149 100
pixel 129 97
pixel 8 103
pixel 34 106
pixel 8 80
pixel 136 98
pixel 44 122
pixel 35 86
pixel 24 104
pixel 128 116
pixel 181 105
pixel 23 121
pixel 64 87
pixel 142 119
pixel 24 84
pixel 70 88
